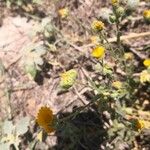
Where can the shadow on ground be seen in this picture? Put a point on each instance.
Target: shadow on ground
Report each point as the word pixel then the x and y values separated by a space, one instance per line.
pixel 83 132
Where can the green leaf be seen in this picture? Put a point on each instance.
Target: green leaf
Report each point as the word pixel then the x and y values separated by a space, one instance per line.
pixel 22 125
pixel 32 59
pixel 31 69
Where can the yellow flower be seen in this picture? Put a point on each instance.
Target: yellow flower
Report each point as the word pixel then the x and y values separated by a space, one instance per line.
pixel 146 14
pixel 45 119
pixel 64 12
pixel 128 56
pixel 68 78
pixel 114 2
pixel 97 25
pixel 144 76
pixel 117 84
pixel 139 124
pixel 147 62
pixel 98 52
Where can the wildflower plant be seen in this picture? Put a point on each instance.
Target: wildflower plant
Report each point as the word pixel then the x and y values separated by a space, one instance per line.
pixel 118 92
pixel 111 93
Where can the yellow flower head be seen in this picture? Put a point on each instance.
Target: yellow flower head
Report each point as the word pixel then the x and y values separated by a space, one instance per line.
pixel 128 56
pixel 139 124
pixel 117 84
pixel 114 2
pixel 144 76
pixel 146 14
pixel 97 25
pixel 45 119
pixel 98 52
pixel 147 62
pixel 68 78
pixel 64 12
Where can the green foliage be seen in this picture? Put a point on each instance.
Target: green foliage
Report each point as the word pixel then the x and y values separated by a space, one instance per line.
pixel 48 32
pixel 47 29
pixel 114 100
pixel 33 60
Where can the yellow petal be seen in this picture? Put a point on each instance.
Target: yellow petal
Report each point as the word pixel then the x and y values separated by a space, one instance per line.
pixel 98 52
pixel 97 25
pixel 64 12
pixel 147 62
pixel 146 13
pixel 117 84
pixel 140 124
pixel 45 119
pixel 114 2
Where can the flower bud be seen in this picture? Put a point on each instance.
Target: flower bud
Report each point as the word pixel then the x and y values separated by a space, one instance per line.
pixel 146 15
pixel 114 2
pixel 97 25
pixel 120 11
pixel 112 18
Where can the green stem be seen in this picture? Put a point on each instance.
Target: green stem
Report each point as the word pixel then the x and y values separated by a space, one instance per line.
pixel 110 47
pixel 75 113
pixel 118 33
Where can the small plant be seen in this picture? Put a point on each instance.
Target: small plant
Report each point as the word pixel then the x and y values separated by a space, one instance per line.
pixel 113 95
pixel 33 60
pixel 110 90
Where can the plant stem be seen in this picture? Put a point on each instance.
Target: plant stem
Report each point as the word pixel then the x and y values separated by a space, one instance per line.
pixel 110 47
pixel 118 33
pixel 75 113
